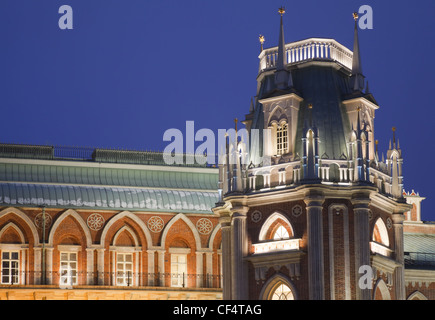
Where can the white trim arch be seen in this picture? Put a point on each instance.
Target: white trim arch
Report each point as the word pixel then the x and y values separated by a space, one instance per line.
pixel 133 217
pixel 383 289
pixel 189 224
pixel 26 219
pixel 78 218
pixel 130 231
pixel 16 228
pixel 417 295
pixel 213 236
pixel 272 283
pixel 269 221
pixel 383 232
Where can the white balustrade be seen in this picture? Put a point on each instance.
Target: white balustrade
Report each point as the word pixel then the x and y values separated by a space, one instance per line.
pixel 279 245
pixel 306 50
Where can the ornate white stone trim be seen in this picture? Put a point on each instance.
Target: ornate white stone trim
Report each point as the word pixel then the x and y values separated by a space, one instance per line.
pixel 95 221
pixel 204 226
pixel 155 224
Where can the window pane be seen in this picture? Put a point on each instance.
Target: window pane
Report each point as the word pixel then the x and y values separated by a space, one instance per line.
pixel 15 255
pixel 128 258
pixel 5 255
pixel 64 256
pixel 73 257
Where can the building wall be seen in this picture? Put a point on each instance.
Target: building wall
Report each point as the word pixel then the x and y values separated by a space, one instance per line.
pixel 340 270
pixel 149 236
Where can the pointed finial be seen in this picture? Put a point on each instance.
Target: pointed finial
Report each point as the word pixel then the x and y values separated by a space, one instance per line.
pixel 355 16
pixel 261 39
pixel 357 74
pixel 251 107
pixel 376 143
pixel 281 11
pixel 394 136
pixel 235 122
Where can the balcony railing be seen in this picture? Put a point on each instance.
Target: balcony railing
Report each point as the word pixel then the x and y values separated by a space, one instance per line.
pixel 306 50
pixel 116 279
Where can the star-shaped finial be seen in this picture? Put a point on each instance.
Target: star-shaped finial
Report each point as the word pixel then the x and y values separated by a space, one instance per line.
pixel 281 11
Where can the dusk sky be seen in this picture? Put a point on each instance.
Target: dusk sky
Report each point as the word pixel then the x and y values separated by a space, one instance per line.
pixel 131 69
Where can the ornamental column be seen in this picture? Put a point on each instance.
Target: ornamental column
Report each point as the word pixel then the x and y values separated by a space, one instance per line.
pixel 360 202
pixel 399 273
pixel 314 206
pixel 239 279
pixel 90 266
pixel 226 257
pixel 151 271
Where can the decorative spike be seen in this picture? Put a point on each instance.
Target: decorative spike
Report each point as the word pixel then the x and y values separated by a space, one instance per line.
pixel 261 39
pixel 251 107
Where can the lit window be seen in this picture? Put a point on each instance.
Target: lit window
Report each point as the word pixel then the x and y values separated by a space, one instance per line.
pixel 281 233
pixel 10 263
pixel 178 270
pixel 68 268
pixel 124 268
pixel 283 292
pixel 281 139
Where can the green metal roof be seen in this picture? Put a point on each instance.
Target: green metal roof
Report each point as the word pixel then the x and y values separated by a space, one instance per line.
pixel 95 175
pixel 115 198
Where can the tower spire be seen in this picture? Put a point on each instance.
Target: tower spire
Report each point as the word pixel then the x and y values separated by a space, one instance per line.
pixel 281 74
pixel 357 75
pixel 281 44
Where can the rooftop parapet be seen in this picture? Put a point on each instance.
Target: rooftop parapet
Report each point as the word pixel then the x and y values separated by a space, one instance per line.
pixel 312 49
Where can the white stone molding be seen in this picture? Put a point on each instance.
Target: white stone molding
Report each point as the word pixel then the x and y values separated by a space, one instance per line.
pixel 27 220
pixel 78 218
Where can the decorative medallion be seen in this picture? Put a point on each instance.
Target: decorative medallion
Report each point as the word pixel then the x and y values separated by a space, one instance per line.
pixel 204 226
pixel 95 221
pixel 296 210
pixel 256 216
pixel 39 220
pixel 155 224
pixel 389 223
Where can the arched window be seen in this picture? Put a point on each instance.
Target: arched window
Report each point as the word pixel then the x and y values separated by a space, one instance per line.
pixel 380 233
pixel 282 292
pixel 281 138
pixel 281 233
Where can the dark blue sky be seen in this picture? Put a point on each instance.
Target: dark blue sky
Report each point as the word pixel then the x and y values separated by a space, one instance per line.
pixel 130 69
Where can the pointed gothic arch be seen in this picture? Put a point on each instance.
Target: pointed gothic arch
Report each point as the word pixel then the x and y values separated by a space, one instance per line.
pixel 80 221
pixel 380 233
pixel 381 288
pixel 417 295
pixel 135 218
pixel 262 236
pixel 271 286
pixel 16 229
pixel 189 224
pixel 25 218
pixel 129 231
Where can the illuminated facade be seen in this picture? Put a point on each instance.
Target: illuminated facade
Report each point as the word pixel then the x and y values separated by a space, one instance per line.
pixel 314 203
pixel 106 224
pixel 312 206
